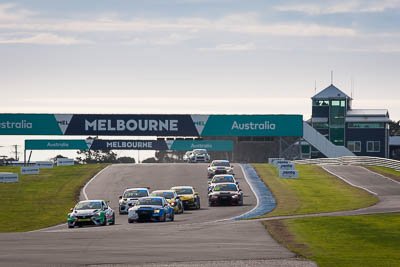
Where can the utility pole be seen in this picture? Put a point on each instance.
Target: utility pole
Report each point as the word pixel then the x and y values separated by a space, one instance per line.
pixel 16 152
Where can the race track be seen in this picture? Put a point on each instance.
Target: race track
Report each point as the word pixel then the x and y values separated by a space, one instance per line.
pixel 197 236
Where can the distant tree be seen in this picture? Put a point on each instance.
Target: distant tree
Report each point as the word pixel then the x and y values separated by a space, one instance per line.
pixel 150 160
pixel 96 156
pixel 394 128
pixel 126 160
pixel 57 157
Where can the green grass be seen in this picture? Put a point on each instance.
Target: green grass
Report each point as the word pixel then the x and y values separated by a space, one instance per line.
pixel 43 200
pixel 315 191
pixel 391 173
pixel 370 240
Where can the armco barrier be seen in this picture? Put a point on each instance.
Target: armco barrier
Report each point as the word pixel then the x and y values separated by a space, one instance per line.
pixel 358 160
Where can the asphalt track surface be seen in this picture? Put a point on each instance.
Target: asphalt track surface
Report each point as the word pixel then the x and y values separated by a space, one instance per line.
pixel 197 237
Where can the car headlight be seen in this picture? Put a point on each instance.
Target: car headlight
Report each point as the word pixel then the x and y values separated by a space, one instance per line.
pixel 72 216
pixel 156 211
pixel 96 214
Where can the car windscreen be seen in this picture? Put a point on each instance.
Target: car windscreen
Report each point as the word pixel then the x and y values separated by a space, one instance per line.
pixel 149 201
pixel 220 163
pixel 135 193
pixel 225 179
pixel 225 187
pixel 88 205
pixel 167 195
pixel 199 151
pixel 184 191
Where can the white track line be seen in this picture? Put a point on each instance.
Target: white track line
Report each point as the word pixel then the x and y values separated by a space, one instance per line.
pixel 350 183
pixel 383 176
pixel 94 177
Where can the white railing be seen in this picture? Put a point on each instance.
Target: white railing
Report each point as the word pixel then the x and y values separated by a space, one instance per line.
pixel 357 160
pixel 320 142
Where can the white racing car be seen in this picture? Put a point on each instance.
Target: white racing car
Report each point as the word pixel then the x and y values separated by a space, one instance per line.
pixel 219 167
pixel 199 155
pixel 130 196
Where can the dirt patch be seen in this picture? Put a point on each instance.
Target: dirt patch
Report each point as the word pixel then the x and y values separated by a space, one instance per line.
pixel 389 175
pixel 280 232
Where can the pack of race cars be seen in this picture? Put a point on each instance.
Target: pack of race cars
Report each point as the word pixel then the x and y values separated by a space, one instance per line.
pixel 161 205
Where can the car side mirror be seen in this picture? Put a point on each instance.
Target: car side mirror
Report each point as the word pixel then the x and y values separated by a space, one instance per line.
pixel 120 197
pixel 209 165
pixel 232 166
pixel 166 204
pixel 237 182
pixel 196 193
pixel 178 197
pixel 105 208
pixel 71 209
pixel 240 190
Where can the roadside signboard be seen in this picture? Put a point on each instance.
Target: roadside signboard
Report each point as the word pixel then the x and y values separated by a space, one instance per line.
pixel 44 164
pixel 8 177
pixel 288 174
pixel 30 170
pixel 280 162
pixel 151 125
pixel 65 162
pixel 272 160
pixel 289 166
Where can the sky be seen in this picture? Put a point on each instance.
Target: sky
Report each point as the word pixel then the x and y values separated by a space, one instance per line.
pixel 195 56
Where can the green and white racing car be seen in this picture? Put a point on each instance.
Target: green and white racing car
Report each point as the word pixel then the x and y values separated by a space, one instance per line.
pixel 91 212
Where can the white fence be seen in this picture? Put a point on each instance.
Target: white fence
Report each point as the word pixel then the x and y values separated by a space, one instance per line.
pixel 360 160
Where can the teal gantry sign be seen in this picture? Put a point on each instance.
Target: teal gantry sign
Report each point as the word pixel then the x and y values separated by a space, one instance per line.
pixel 151 125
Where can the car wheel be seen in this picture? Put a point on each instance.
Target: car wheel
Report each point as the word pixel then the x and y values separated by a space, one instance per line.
pixel 172 217
pixel 182 209
pixel 104 223
pixel 165 218
pixel 70 226
pixel 198 204
pixel 113 220
pixel 130 221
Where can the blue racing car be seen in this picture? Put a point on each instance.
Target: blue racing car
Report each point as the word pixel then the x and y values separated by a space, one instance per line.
pixel 151 209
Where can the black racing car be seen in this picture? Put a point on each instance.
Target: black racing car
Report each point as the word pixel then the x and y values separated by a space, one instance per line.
pixel 225 194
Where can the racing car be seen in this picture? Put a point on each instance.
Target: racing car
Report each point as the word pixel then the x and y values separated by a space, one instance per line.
pixel 221 178
pixel 151 209
pixel 219 167
pixel 225 194
pixel 189 197
pixel 199 155
pixel 129 198
pixel 172 197
pixel 91 212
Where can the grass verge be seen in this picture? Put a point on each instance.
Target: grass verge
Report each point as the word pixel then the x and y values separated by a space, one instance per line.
pixel 43 200
pixel 391 173
pixel 315 191
pixel 369 240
